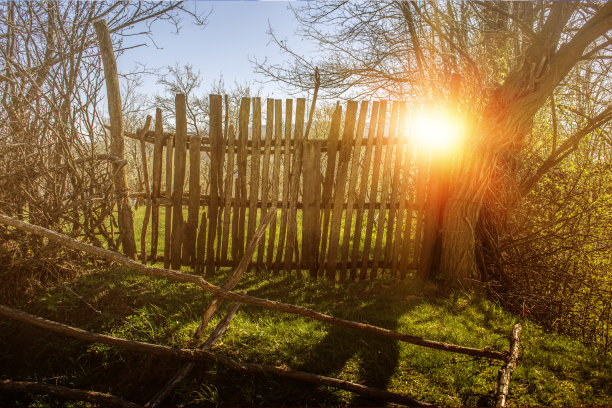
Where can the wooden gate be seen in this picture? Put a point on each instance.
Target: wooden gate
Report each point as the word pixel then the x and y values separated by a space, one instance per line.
pixel 349 203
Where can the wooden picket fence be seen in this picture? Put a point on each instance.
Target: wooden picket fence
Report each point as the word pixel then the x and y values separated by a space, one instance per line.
pixel 359 192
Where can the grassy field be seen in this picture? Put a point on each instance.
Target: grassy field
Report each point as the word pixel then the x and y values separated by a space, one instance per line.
pixel 553 370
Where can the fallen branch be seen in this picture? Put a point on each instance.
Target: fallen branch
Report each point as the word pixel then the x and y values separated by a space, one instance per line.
pixel 238 272
pixel 505 372
pixel 97 398
pixel 264 303
pixel 210 310
pixel 187 368
pixel 205 356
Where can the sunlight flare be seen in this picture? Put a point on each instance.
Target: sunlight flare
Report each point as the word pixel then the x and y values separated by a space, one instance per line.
pixel 435 129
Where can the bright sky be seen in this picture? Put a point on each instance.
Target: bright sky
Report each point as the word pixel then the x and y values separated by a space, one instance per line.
pixel 236 30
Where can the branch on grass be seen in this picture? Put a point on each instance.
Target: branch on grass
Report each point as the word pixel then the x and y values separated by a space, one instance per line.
pixel 187 368
pixel 505 372
pixel 264 303
pixel 243 264
pixel 205 356
pixel 97 398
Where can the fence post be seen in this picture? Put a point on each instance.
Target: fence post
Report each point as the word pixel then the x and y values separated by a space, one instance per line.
pixel 180 155
pixel 124 209
pixel 311 223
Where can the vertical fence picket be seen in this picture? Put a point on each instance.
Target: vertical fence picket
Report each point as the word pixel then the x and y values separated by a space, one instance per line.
pixel 265 177
pixel 221 183
pixel 311 172
pixel 147 186
pixel 180 155
pixel 294 187
pixel 286 174
pixel 254 183
pixel 384 192
pixel 352 190
pixel 243 135
pixel 326 199
pixel 395 204
pixel 402 234
pixel 363 184
pixel 216 163
pixel 236 220
pixel 168 209
pixel 193 206
pixel 380 131
pixel 278 139
pixel 341 183
pixel 421 196
pixel 229 185
pixel 158 148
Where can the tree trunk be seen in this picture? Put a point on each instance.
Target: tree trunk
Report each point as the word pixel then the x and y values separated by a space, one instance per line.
pixel 458 259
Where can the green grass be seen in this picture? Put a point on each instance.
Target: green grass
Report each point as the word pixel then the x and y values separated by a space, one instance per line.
pixel 553 370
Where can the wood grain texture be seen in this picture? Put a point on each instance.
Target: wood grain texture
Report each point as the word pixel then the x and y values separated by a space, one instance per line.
pixel 363 186
pixel 278 139
pixel 352 190
pixel 340 188
pixel 229 188
pixel 216 164
pixel 328 184
pixel 286 171
pixel 311 225
pixel 265 172
pixel 376 164
pixel 243 135
pixel 384 191
pixel 294 187
pixel 180 155
pixel 158 150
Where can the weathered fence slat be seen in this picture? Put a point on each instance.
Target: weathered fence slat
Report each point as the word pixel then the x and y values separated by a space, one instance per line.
pixel 243 135
pixel 380 131
pixel 168 211
pixel 145 179
pixel 193 209
pixel 341 182
pixel 384 192
pixel 229 186
pixel 286 174
pixel 216 163
pixel 278 135
pixel 352 190
pixel 393 240
pixel 332 143
pixel 180 155
pixel 235 220
pixel 402 235
pixel 221 181
pixel 363 184
pixel 294 187
pixel 157 174
pixel 421 193
pixel 312 207
pixel 254 165
pixel 265 177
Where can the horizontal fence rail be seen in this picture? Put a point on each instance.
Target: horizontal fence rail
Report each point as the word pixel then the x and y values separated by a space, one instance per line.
pixel 350 202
